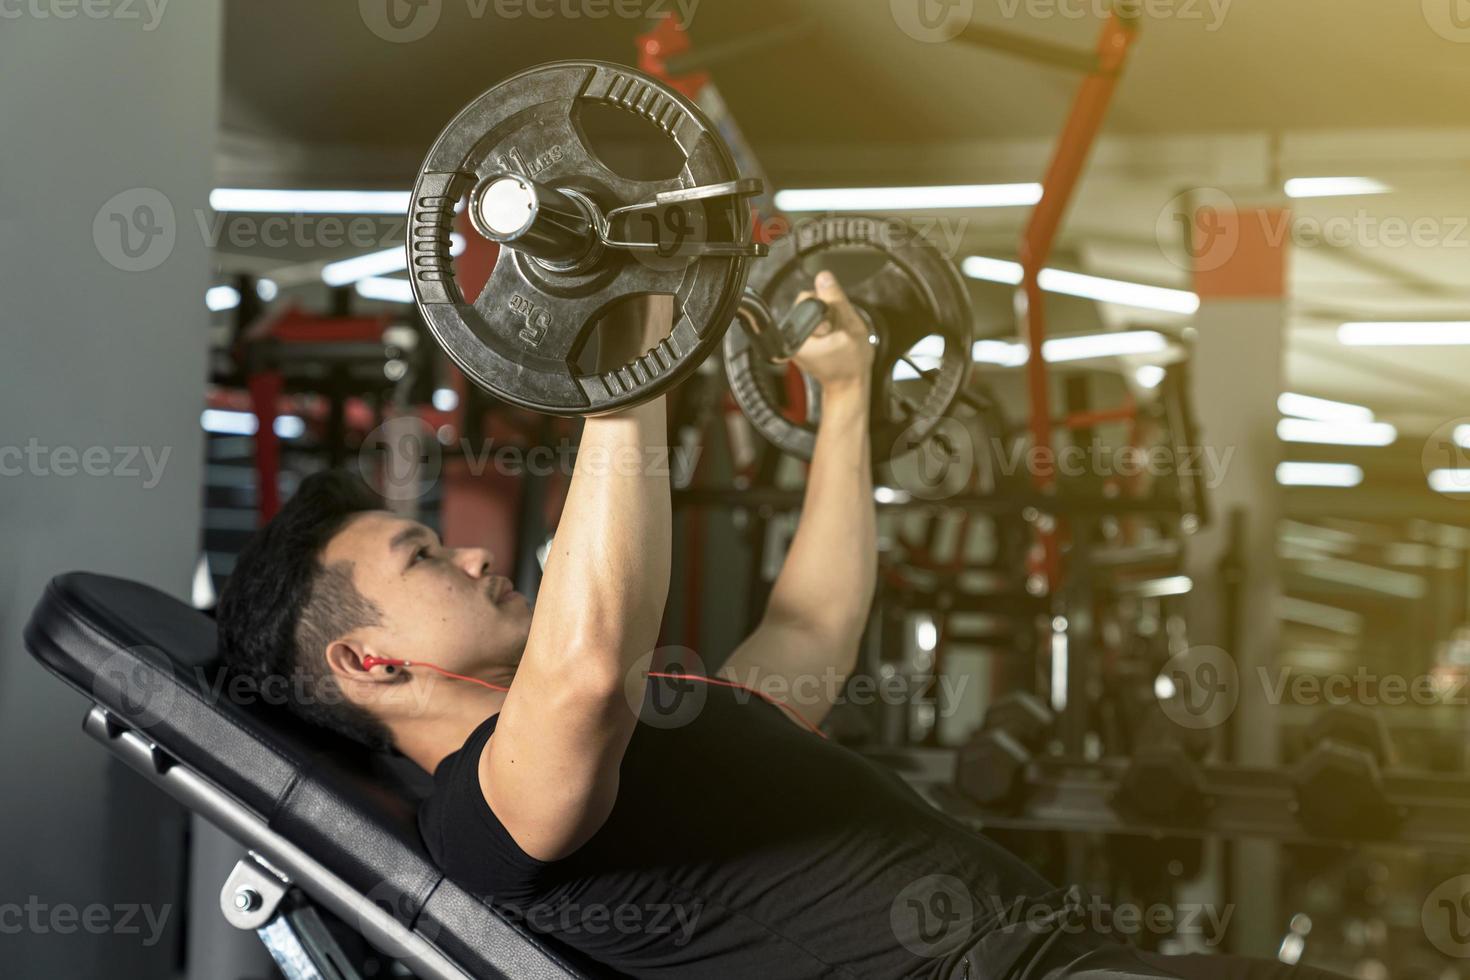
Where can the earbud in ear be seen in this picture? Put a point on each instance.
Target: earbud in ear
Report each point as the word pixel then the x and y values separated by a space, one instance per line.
pixel 369 662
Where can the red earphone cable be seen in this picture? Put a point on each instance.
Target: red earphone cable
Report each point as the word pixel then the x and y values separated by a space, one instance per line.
pixel 369 663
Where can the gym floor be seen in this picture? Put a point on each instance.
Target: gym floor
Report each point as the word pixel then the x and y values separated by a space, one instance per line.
pixel 1170 449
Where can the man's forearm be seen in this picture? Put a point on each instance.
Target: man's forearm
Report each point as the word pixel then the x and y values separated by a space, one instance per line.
pixel 827 581
pixel 607 577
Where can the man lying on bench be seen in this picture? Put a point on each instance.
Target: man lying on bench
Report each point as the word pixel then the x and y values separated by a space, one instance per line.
pixel 723 839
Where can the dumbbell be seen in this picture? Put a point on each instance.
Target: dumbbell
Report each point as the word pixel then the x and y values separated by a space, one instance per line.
pixel 1163 783
pixel 1338 784
pixel 991 767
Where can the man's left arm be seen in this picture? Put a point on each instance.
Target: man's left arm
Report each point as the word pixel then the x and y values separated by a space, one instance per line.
pixel 807 641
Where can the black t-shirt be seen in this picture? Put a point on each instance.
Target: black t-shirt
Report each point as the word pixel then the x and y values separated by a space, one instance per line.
pixel 742 846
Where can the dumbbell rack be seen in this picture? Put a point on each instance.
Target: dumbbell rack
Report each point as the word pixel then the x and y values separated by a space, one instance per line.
pixel 1062 794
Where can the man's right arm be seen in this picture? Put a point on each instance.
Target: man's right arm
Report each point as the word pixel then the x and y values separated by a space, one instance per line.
pixel 550 771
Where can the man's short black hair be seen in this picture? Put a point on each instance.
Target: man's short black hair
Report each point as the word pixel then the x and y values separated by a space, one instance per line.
pixel 282 606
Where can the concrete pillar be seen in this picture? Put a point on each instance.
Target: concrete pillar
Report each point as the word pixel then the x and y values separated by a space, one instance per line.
pixel 109 123
pixel 1240 275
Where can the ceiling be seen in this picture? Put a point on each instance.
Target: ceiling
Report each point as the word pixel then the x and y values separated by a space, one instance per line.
pixel 1229 94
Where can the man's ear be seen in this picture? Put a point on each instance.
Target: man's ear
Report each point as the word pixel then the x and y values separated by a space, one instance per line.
pixel 345 660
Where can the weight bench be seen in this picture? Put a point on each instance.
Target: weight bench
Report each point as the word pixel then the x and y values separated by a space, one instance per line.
pixel 327 824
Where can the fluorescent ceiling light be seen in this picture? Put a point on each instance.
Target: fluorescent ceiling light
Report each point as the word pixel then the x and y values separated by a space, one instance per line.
pixel 386 262
pixel 1450 481
pixel 1086 287
pixel 239 199
pixel 1404 334
pixel 1158 587
pixel 382 263
pixel 1116 291
pixel 1061 349
pixel 1361 576
pixel 1319 474
pixel 908 198
pixel 1322 409
pixel 926 634
pixel 226 423
pixel 1334 187
pixel 1103 345
pixel 993 270
pixel 289 426
pixel 1336 433
pixel 220 298
pixel 1150 376
pixel 267 289
pixel 1001 352
pixel 385 290
pixel 1320 615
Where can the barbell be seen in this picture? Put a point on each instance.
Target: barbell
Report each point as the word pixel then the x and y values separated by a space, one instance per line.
pixel 577 238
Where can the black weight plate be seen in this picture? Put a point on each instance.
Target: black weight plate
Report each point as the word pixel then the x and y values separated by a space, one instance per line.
pixel 917 294
pixel 520 338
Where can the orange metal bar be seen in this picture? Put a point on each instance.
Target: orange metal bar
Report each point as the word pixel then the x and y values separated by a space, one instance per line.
pixel 1126 412
pixel 1073 148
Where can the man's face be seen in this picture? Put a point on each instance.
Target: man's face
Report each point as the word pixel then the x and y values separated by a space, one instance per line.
pixel 439 605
